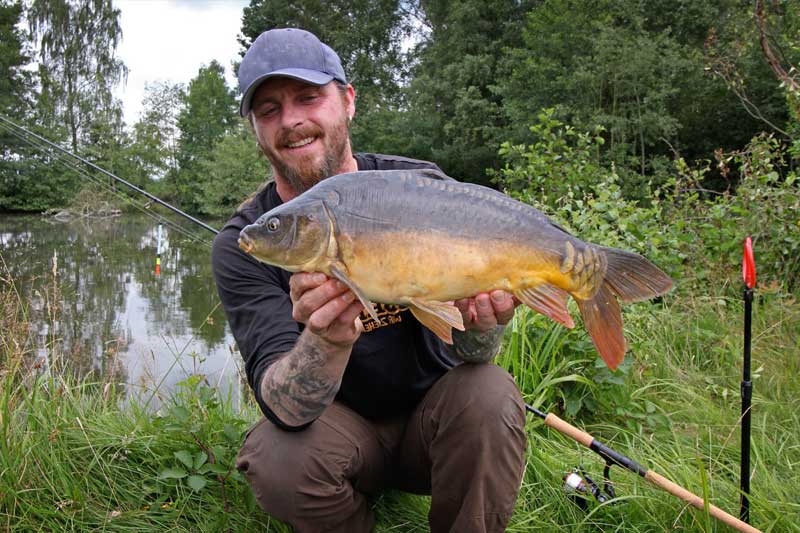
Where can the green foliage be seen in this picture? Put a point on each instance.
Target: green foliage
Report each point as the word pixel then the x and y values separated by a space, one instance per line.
pixel 78 68
pixel 35 180
pixel 561 161
pixel 691 234
pixel 435 79
pixel 15 101
pixel 559 368
pixel 233 170
pixel 15 81
pixel 209 113
pixel 642 71
pixel 454 112
pixel 155 146
pixel 205 441
pixel 765 205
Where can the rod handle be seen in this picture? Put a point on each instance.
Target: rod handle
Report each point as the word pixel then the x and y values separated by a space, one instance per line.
pixel 569 430
pixel 697 501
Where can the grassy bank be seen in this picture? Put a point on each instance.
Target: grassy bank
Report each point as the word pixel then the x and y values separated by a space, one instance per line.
pixel 74 458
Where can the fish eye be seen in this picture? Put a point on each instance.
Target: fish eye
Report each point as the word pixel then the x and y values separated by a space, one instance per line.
pixel 273 224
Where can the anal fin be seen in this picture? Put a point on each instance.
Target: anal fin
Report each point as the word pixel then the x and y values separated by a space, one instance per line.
pixel 548 300
pixel 603 320
pixel 439 317
pixel 339 274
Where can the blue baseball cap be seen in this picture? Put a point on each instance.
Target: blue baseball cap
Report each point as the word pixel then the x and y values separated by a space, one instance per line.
pixel 290 53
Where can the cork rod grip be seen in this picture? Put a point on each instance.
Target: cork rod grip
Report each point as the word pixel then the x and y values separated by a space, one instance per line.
pixel 697 501
pixel 569 430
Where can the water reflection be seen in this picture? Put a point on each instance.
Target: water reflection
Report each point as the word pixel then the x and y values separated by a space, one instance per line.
pixel 108 313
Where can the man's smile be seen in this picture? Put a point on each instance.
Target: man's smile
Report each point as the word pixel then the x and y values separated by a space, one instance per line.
pixel 301 142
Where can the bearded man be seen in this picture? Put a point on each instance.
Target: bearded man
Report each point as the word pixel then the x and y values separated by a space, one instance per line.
pixel 354 405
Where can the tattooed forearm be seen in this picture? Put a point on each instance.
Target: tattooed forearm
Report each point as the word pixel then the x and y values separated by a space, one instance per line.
pixel 304 382
pixel 477 346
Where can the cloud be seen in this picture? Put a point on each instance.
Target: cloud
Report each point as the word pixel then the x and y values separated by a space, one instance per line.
pixel 171 40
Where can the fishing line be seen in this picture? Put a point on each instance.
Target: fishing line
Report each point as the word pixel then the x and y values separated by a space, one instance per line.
pixel 103 184
pixel 38 143
pixel 108 188
pixel 110 175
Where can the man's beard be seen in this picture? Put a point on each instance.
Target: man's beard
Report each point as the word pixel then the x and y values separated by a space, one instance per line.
pixel 305 174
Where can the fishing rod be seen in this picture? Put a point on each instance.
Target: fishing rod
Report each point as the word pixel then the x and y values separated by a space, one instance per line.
pixel 615 458
pixel 110 175
pixel 72 165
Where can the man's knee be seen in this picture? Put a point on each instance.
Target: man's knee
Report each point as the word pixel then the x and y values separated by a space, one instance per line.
pixel 313 478
pixel 481 392
pixel 273 475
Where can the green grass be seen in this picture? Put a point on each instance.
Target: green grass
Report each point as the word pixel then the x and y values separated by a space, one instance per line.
pixel 74 458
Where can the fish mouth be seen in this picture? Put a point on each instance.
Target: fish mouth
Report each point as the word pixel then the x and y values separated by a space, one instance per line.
pixel 246 243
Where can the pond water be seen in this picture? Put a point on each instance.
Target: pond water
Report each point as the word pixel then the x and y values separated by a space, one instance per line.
pixel 97 306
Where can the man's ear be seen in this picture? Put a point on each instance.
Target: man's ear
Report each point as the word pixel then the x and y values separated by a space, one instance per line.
pixel 351 101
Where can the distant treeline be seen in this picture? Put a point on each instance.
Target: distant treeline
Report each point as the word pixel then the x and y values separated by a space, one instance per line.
pixel 471 85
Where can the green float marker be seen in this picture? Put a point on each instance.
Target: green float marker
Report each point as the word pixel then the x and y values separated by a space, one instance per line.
pixel 749 277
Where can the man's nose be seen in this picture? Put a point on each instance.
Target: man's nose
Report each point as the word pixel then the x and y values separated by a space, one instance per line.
pixel 291 116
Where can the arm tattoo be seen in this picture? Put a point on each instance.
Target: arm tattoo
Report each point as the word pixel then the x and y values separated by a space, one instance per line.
pixel 477 346
pixel 299 386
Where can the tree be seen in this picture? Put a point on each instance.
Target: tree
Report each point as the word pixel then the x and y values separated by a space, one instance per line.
pixel 31 179
pixel 641 70
pixel 155 134
pixel 15 97
pixel 454 114
pixel 15 81
pixel 233 170
pixel 208 114
pixel 78 68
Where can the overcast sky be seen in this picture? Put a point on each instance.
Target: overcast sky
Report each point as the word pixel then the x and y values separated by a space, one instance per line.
pixel 169 40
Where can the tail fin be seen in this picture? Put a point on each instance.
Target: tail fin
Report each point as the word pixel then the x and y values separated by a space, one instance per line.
pixel 633 278
pixel 630 277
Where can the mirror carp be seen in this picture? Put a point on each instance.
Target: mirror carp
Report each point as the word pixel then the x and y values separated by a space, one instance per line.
pixel 420 239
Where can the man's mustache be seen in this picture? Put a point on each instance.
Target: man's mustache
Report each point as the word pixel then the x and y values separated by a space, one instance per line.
pixel 292 135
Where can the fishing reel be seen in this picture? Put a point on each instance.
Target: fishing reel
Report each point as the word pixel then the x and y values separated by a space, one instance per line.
pixel 580 488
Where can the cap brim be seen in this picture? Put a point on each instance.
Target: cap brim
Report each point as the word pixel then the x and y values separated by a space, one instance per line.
pixel 308 76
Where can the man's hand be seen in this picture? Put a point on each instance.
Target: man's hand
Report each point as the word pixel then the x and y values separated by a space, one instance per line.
pixel 326 306
pixel 485 317
pixel 487 310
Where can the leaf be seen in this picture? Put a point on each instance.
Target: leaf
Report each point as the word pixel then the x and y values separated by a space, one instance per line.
pixel 180 413
pixel 214 468
pixel 172 473
pixel 197 482
pixel 200 459
pixel 573 405
pixel 232 433
pixel 184 457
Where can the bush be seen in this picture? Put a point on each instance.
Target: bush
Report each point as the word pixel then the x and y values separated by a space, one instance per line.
pixel 695 235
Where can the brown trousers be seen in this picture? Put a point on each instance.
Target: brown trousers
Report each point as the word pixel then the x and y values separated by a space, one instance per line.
pixel 464 445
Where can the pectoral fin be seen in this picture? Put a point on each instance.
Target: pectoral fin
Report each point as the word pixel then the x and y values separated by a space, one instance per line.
pixel 439 317
pixel 548 300
pixel 339 273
